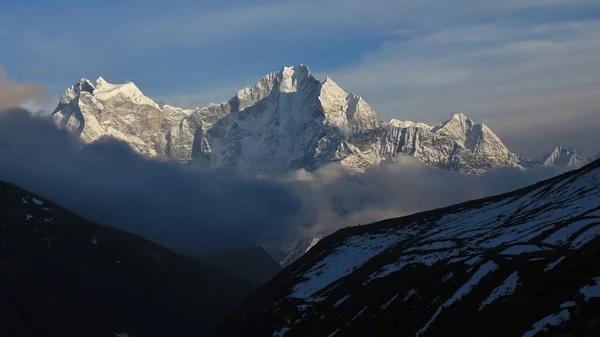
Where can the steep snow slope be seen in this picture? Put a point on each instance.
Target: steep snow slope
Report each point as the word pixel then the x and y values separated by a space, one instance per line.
pixel 502 266
pixel 63 276
pixel 289 120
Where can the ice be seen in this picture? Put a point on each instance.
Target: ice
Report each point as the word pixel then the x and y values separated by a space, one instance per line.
pixel 591 291
pixel 24 201
pixel 553 320
pixel 37 201
pixel 29 216
pixel 520 249
pixel 507 287
pixel 483 270
pixel 121 334
pixel 94 241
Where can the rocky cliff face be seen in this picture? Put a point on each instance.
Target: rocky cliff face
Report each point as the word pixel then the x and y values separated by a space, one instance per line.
pixel 289 120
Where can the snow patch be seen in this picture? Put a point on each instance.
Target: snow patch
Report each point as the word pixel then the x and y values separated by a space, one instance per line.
pixel 342 300
pixel 551 265
pixel 590 291
pixel 552 320
pixel 483 270
pixel 352 254
pixel 507 287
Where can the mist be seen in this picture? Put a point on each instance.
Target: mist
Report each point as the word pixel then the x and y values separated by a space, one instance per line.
pixel 14 94
pixel 179 207
pixel 190 209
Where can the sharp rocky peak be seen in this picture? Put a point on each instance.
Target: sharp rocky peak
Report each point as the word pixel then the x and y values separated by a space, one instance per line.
pixel 83 85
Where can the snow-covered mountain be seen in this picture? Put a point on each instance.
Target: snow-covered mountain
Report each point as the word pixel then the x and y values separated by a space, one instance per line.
pixel 519 264
pixel 289 120
pixel 560 157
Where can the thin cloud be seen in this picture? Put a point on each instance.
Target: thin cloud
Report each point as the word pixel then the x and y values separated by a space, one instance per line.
pixel 14 94
pixel 190 209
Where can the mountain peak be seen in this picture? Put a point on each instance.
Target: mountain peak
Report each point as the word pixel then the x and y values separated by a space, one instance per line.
pixel 105 91
pixel 83 85
pixel 460 116
pixel 564 157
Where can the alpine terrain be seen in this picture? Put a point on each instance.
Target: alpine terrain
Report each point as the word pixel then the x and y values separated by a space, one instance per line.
pixel 523 263
pixel 61 275
pixel 289 120
pixel 560 157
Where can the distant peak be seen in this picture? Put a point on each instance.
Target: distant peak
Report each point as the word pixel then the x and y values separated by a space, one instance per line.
pixel 460 117
pixel 300 67
pixel 100 81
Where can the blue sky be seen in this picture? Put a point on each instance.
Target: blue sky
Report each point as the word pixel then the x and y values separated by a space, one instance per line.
pixel 530 69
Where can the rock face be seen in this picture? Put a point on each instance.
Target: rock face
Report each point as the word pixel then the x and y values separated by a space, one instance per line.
pixel 519 264
pixel 64 276
pixel 289 120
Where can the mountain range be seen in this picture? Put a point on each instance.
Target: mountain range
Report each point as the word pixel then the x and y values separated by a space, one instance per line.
pixel 288 121
pixel 518 264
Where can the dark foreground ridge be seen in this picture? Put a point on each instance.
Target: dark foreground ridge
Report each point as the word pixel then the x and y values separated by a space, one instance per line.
pixel 61 275
pixel 523 263
pixel 251 264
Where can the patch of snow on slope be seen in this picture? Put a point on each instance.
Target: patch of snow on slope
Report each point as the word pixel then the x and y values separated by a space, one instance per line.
pixel 383 307
pixel 506 288
pixel 551 265
pixel 281 332
pixel 483 270
pixel 333 333
pixel 409 294
pixel 342 300
pixel 434 246
pixel 585 237
pixel 591 291
pixel 553 320
pixel 352 254
pixel 520 249
pixel 426 259
pixel 563 235
pixel 355 317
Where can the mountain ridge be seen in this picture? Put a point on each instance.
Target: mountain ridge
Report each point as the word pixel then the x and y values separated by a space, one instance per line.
pixel 289 120
pixel 526 256
pixel 63 275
